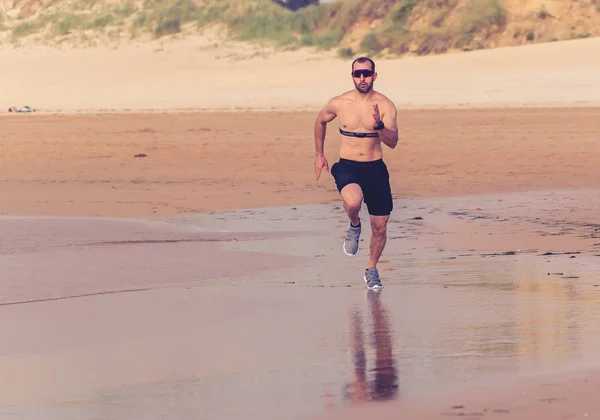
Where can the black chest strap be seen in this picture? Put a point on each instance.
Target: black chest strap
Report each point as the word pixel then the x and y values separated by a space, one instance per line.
pixel 353 134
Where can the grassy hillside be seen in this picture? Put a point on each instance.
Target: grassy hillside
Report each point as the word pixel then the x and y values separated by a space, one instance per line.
pixel 377 27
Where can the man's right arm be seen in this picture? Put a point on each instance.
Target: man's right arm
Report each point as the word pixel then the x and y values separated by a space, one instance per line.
pixel 327 114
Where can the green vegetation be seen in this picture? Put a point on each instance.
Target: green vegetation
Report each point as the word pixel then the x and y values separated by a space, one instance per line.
pixel 349 27
pixel 345 52
pixel 482 13
pixel 78 18
pixel 401 11
pixel 164 18
pixel 70 22
pixel 24 29
pixel 370 44
pixel 322 26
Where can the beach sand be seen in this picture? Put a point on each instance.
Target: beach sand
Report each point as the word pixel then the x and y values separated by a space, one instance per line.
pixel 199 162
pixel 191 74
pixel 206 279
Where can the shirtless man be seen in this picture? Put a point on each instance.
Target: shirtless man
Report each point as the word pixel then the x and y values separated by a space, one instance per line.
pixel 367 119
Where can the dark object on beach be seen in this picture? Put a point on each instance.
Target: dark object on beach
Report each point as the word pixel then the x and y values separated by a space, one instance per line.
pixel 417 218
pixel 26 108
pixel 140 155
pixel 563 253
pixel 501 253
pixel 295 4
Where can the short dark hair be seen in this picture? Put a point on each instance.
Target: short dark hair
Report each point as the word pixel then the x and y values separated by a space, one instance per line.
pixel 364 60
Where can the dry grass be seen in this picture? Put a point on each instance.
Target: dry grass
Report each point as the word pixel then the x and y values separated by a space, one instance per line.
pixel 397 26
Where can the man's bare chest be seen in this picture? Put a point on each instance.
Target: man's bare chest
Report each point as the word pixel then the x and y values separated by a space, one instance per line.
pixel 356 116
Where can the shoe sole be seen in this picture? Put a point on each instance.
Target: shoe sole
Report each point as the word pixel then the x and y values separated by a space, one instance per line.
pixel 344 249
pixel 373 287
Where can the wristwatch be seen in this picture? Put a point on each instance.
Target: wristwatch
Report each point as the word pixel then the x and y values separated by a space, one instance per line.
pixel 379 126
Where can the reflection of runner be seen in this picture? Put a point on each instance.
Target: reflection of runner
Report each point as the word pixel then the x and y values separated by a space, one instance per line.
pixel 367 121
pixel 384 384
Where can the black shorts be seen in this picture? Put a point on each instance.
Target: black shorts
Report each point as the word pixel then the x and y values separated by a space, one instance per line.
pixel 372 177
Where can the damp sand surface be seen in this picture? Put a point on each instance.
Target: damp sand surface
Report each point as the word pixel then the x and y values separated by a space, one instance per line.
pixel 259 311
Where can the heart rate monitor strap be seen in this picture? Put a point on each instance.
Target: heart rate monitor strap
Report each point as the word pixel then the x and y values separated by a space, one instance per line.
pixel 352 134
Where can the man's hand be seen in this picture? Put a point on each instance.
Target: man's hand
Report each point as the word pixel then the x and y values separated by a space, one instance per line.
pixel 376 116
pixel 320 163
pixel 389 133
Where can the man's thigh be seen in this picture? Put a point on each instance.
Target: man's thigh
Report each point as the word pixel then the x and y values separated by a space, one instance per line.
pixel 344 174
pixel 377 191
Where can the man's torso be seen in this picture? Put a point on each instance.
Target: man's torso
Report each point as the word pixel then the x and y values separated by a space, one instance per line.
pixel 357 117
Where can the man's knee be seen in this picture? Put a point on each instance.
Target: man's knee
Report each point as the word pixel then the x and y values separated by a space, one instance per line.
pixel 353 204
pixel 352 196
pixel 379 225
pixel 379 231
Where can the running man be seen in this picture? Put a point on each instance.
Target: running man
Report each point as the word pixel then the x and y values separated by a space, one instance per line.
pixel 367 119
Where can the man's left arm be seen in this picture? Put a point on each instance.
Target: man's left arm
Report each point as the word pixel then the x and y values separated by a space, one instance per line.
pixel 389 134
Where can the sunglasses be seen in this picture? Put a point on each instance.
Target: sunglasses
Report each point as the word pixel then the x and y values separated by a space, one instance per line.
pixel 365 73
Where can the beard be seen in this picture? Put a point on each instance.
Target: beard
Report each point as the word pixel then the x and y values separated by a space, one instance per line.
pixel 363 88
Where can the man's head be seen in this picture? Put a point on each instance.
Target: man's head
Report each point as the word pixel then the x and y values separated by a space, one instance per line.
pixel 363 74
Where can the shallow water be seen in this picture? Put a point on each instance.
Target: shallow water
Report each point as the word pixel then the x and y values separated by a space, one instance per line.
pixel 289 342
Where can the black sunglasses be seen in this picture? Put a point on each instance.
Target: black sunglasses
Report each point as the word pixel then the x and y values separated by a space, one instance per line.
pixel 366 73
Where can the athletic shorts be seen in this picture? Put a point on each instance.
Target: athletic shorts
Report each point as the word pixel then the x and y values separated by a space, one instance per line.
pixel 372 177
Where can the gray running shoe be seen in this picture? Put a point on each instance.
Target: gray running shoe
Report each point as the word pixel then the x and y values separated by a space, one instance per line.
pixel 352 237
pixel 372 279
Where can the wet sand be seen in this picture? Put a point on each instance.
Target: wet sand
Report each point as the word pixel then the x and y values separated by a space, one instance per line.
pixel 564 395
pixel 217 315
